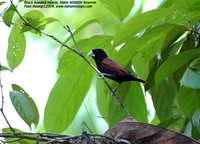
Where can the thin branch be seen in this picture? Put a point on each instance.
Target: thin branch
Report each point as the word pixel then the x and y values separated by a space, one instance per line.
pixel 71 33
pixel 2 104
pixel 78 52
pixel 109 87
pixel 48 138
pixel 24 136
pixel 2 96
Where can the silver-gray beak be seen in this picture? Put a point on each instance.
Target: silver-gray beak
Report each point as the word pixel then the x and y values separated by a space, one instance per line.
pixel 91 54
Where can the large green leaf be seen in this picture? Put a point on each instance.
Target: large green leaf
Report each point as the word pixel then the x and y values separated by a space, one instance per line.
pixel 176 124
pixel 141 66
pixel 130 95
pixel 69 91
pixel 34 15
pixel 189 5
pixel 78 30
pixel 135 102
pixel 98 41
pixel 37 20
pixel 150 79
pixel 8 15
pixel 158 38
pixel 65 100
pixel 108 105
pixel 139 23
pixel 189 100
pixel 170 50
pixel 163 97
pixel 120 8
pixel 126 53
pixel 174 63
pixel 191 79
pixel 24 105
pixel 16 47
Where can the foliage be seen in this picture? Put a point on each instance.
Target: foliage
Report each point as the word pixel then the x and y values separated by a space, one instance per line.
pixel 161 46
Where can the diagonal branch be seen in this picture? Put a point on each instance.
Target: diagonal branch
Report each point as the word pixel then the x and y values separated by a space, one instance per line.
pixel 78 52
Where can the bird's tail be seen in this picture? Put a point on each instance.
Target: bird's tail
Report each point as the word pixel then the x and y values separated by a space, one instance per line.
pixel 138 79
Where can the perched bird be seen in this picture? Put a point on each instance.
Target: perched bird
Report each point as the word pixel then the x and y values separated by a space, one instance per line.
pixel 111 69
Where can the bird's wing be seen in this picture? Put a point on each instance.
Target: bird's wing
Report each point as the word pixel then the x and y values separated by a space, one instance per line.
pixel 112 68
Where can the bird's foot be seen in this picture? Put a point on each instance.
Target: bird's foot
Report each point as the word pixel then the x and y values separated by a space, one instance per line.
pixel 114 90
pixel 101 75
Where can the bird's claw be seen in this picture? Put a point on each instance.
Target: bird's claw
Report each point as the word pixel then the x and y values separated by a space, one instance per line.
pixel 101 76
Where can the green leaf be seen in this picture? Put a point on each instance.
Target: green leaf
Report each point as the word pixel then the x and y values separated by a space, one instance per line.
pixel 135 102
pixel 139 23
pixel 195 65
pixel 155 120
pixel 41 23
pixel 16 47
pixel 24 105
pixel 191 79
pixel 150 79
pixel 188 128
pixel 37 20
pixel 189 5
pixel 165 4
pixel 195 133
pixel 8 15
pixel 196 119
pixel 34 15
pixel 17 141
pixel 130 95
pixel 34 18
pixel 66 98
pixel 163 97
pixel 102 99
pixel 69 91
pixel 168 51
pixel 189 100
pixel 1 3
pixel 176 124
pixel 78 30
pixel 141 66
pixel 159 38
pixel 126 53
pixel 181 3
pixel 120 8
pixel 174 63
pixel 2 68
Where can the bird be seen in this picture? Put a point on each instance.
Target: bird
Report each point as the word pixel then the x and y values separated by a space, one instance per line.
pixel 111 69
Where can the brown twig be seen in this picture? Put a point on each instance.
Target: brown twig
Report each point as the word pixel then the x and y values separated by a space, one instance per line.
pixel 57 138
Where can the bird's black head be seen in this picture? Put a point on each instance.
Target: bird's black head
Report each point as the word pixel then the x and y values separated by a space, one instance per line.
pixel 97 54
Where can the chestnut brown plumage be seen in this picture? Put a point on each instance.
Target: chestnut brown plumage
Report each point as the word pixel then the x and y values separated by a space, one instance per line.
pixel 111 69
